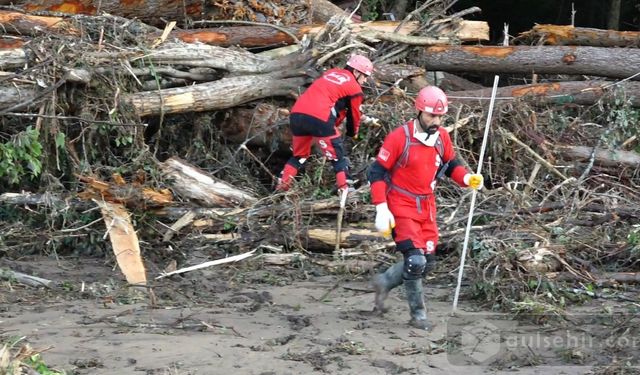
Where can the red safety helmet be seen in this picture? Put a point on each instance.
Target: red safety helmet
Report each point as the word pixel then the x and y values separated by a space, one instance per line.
pixel 432 100
pixel 361 64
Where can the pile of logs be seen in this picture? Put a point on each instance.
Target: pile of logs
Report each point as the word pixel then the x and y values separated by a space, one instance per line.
pixel 99 63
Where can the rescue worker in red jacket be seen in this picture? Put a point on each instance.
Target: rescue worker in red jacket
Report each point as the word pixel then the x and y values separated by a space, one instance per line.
pixel 317 113
pixel 403 180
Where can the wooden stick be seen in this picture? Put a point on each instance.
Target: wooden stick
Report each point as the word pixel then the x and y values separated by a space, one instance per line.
pixel 234 258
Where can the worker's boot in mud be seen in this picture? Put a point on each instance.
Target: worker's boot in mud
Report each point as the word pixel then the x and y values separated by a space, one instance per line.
pixel 384 282
pixel 413 289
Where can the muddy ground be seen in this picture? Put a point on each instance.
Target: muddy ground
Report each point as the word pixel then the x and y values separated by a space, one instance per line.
pixel 249 318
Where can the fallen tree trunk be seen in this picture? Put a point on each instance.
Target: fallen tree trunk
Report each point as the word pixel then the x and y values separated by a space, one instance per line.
pixel 220 94
pixel 243 36
pixel 25 24
pixel 606 158
pixel 191 55
pixel 200 55
pixel 595 61
pixel 263 126
pixel 578 92
pixel 12 96
pixel 194 184
pixel 568 35
pixel 153 12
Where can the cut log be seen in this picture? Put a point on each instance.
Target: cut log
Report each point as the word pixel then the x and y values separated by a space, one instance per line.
pixel 124 241
pixel 322 10
pixel 595 61
pixel 244 36
pixel 200 55
pixel 25 279
pixel 392 73
pixel 194 184
pixel 25 24
pixel 606 158
pixel 153 12
pixel 452 82
pixel 12 96
pixel 11 58
pixel 263 126
pixel 131 195
pixel 11 42
pixel 220 94
pixel 568 35
pixel 325 238
pixel 578 92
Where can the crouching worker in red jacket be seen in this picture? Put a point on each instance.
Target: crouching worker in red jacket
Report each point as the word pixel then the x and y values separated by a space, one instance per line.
pixel 317 113
pixel 403 180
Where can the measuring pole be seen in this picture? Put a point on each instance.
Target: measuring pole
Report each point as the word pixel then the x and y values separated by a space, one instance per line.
pixel 474 193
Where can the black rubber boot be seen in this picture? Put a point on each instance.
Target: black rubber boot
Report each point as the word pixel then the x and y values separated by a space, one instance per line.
pixel 384 282
pixel 413 288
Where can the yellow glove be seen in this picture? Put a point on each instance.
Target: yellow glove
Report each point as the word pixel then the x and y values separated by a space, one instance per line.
pixel 385 221
pixel 474 181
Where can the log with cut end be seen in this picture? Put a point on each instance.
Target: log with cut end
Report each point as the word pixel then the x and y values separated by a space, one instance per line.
pixel 578 92
pixel 568 35
pixel 192 183
pixel 595 61
pixel 220 94
pixel 26 24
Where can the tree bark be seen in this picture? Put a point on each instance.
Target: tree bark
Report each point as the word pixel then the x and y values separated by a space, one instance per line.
pixel 263 126
pixel 153 12
pixel 194 184
pixel 396 72
pixel 243 36
pixel 596 61
pixel 578 92
pixel 613 21
pixel 11 96
pixel 192 55
pixel 322 10
pixel 606 158
pixel 220 94
pixel 582 36
pixel 25 24
pixel 200 55
pixel 12 58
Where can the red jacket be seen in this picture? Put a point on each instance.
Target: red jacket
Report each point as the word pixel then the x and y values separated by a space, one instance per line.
pixel 413 173
pixel 336 89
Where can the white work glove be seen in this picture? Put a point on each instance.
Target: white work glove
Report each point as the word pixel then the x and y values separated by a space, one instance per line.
pixel 369 120
pixel 384 219
pixel 473 180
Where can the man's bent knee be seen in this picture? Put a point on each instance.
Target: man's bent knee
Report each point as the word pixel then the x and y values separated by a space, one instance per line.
pixel 414 264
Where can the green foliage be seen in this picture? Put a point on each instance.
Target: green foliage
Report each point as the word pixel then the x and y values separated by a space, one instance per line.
pixel 20 157
pixel 621 121
pixel 37 363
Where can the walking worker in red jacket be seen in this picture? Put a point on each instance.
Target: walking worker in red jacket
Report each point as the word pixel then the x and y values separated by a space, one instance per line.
pixel 317 113
pixel 403 180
